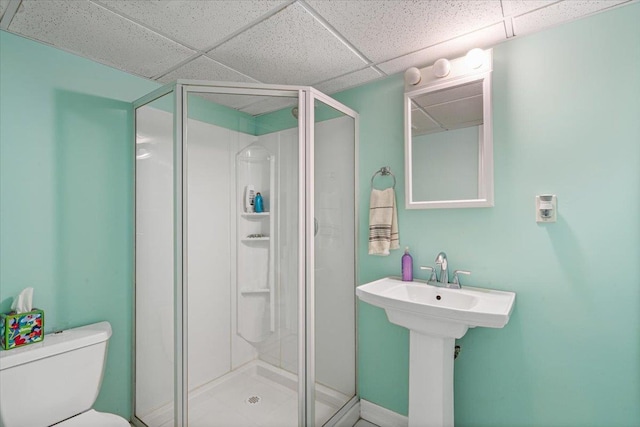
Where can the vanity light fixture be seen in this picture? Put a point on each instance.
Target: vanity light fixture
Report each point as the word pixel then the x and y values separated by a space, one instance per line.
pixel 412 76
pixel 442 67
pixel 473 62
pixel 475 58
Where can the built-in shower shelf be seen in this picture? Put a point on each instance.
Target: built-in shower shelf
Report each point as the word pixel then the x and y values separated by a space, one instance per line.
pixel 255 261
pixel 255 239
pixel 255 215
pixel 255 291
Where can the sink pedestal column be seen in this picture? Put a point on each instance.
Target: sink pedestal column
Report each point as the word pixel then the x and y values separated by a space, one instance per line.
pixel 430 380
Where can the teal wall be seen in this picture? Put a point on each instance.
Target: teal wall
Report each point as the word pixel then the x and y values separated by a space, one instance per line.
pixel 566 121
pixel 201 109
pixel 66 206
pixel 566 108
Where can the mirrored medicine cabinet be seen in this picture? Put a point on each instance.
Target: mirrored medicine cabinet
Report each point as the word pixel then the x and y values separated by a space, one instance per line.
pixel 448 133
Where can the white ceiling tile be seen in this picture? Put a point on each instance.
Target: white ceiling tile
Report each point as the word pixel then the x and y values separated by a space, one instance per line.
pixel 291 47
pixel 95 33
pixel 205 68
pixel 3 7
pixel 451 49
pixel 384 30
pixel 558 13
pixel 519 7
pixel 350 80
pixel 200 24
pixel 270 104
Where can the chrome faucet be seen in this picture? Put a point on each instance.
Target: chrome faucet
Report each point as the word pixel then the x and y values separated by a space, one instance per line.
pixel 441 260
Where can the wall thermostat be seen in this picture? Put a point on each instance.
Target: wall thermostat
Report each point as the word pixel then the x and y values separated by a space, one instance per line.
pixel 546 208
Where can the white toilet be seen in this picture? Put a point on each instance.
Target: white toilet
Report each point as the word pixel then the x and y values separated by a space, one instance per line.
pixel 56 381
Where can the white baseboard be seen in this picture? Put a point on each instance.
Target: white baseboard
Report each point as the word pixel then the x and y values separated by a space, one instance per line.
pixel 380 416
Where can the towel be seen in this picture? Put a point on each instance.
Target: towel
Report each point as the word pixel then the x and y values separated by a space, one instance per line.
pixel 383 222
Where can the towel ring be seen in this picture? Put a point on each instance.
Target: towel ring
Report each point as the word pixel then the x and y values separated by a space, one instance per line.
pixel 384 171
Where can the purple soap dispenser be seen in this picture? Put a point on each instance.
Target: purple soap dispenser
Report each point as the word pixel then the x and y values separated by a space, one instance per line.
pixel 407 266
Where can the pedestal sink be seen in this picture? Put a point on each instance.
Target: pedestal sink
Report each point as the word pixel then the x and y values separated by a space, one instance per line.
pixel 435 317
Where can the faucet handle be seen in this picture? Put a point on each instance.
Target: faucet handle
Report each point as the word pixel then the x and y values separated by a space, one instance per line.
pixel 433 277
pixel 456 280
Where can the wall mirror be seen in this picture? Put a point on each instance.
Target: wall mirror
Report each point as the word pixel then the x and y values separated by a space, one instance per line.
pixel 448 133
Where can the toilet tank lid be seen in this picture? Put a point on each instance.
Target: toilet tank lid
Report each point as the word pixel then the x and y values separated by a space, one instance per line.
pixel 56 343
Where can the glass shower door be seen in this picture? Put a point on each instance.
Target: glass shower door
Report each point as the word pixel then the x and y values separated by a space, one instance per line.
pixel 333 292
pixel 241 261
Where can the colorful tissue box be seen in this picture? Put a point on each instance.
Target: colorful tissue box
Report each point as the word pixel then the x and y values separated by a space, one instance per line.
pixel 20 329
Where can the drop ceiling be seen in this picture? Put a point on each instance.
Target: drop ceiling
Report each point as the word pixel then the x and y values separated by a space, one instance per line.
pixel 329 44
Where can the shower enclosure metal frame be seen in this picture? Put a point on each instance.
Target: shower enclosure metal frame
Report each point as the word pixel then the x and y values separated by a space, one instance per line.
pixel 306 281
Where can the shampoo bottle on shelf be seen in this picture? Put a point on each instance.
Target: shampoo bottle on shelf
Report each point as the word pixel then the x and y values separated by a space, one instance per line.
pixel 259 203
pixel 407 265
pixel 249 196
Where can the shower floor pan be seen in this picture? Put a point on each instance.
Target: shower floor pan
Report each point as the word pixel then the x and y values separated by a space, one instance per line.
pixel 257 394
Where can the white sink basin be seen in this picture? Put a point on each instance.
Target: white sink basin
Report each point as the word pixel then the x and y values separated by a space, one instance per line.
pixel 435 317
pixel 433 310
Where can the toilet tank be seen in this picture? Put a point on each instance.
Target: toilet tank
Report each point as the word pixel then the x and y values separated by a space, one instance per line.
pixel 44 383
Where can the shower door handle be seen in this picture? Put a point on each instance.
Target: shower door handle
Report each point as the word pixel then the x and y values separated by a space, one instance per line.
pixel 315 226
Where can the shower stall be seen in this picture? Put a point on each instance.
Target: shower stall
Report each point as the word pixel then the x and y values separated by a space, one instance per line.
pixel 244 316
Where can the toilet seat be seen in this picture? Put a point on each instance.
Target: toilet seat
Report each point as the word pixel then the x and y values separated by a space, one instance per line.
pixel 94 418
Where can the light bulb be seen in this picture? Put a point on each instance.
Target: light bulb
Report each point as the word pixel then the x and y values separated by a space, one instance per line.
pixel 412 76
pixel 441 68
pixel 475 58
